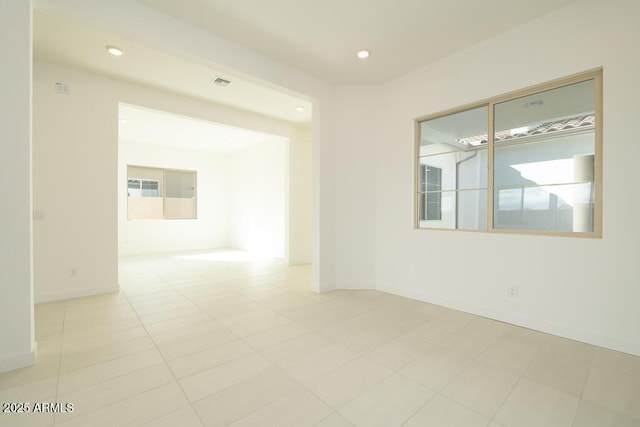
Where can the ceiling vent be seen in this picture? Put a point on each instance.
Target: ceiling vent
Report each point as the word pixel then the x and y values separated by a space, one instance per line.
pixel 221 82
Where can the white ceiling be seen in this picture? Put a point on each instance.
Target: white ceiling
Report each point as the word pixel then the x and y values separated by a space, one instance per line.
pixel 322 37
pixel 68 41
pixel 144 125
pixel 532 110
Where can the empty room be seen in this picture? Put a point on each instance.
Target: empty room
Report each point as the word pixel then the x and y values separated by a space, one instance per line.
pixel 297 213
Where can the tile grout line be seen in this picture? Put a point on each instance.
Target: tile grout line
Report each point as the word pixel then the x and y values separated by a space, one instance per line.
pixel 167 366
pixel 520 378
pixel 273 364
pixel 117 376
pixel 269 278
pixel 440 392
pixel 64 321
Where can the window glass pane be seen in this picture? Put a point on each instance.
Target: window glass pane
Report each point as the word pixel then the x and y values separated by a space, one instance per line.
pixel 434 206
pixel 453 171
pixel 434 179
pixel 463 210
pixel 543 138
pixel 472 210
pixel 549 208
pixel 546 112
pixel 146 199
pixel 434 195
pixel 539 199
pixel 180 184
pixel 447 211
pixel 541 141
pixel 562 160
pixel 144 181
pixel 461 131
pixel 459 170
pixel 543 171
pixel 180 197
pixel 150 189
pixel 133 188
pixel 430 203
pixel 509 199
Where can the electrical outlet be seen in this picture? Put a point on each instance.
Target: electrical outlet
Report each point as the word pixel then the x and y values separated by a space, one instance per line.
pixel 62 88
pixel 73 272
pixel 513 291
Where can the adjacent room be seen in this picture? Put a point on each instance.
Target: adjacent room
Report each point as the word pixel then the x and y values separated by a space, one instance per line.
pixel 192 185
pixel 259 213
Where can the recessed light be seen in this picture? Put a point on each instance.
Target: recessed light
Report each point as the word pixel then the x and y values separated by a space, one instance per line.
pixel 300 108
pixel 114 50
pixel 123 121
pixel 363 54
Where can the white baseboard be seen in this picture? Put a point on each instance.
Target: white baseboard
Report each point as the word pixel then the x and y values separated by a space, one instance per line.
pixel 20 360
pixel 355 286
pixel 75 293
pixel 301 261
pixel 514 318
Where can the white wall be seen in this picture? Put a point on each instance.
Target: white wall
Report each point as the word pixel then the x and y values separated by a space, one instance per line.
pixel 580 288
pixel 139 22
pixel 258 190
pixel 17 344
pixel 243 200
pixel 586 289
pixel 323 204
pixel 211 227
pixel 76 138
pixel 358 125
pixel 75 173
pixel 299 209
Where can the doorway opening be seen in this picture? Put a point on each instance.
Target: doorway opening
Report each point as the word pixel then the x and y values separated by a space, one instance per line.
pixel 235 183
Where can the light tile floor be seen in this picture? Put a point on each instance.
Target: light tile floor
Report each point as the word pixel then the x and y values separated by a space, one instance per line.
pixel 195 340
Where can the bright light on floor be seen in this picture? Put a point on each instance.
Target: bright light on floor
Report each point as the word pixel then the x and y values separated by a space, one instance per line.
pixel 226 256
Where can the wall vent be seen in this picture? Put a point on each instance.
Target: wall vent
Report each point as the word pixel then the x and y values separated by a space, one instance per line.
pixel 221 82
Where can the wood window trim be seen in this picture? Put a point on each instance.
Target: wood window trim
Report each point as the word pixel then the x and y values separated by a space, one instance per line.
pixel 597 76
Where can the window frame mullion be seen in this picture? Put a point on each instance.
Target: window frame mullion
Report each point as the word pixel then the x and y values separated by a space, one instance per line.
pixel 492 209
